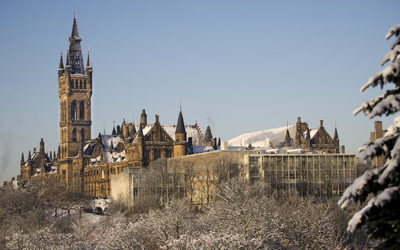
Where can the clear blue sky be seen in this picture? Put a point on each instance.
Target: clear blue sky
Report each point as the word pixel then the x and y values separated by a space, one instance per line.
pixel 245 65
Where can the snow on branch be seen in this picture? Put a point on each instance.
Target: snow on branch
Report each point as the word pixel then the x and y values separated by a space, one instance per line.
pixel 391 55
pixel 394 30
pixel 396 42
pixel 389 74
pixel 388 103
pixel 359 190
pixel 391 171
pixel 376 204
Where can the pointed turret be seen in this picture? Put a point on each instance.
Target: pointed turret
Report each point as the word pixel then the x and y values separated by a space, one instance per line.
pixel 208 136
pixel 29 155
pixel 89 72
pixel 113 131
pixel 287 139
pixel 308 136
pixel 54 155
pixel 335 136
pixel 180 145
pixel 67 63
pixel 61 63
pixel 180 127
pixel 89 62
pixel 180 132
pixel 22 159
pixel 61 67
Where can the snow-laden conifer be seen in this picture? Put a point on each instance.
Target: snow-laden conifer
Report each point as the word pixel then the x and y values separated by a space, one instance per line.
pixel 380 216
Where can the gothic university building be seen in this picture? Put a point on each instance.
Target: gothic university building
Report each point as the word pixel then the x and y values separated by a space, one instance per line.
pixel 86 165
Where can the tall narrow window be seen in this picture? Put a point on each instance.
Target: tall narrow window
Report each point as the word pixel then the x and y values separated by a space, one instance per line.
pixel 74 135
pixel 84 84
pixel 71 84
pixel 76 84
pixel 82 134
pixel 81 86
pixel 82 111
pixel 73 110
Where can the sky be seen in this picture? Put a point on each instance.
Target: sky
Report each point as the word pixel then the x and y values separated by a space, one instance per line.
pixel 241 66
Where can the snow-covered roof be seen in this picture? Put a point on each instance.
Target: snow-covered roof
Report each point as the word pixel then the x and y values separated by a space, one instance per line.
pixel 191 131
pixel 263 138
pixel 113 156
pixel 202 149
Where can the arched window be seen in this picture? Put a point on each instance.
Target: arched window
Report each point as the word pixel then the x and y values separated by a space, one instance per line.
pixel 71 84
pixel 74 135
pixel 82 134
pixel 82 110
pixel 73 110
pixel 76 84
pixel 81 85
pixel 84 84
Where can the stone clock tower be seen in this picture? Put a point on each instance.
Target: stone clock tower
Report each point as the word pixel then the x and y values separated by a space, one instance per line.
pixel 75 91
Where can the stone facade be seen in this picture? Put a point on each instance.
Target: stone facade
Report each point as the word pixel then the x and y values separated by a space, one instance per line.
pixel 317 139
pixel 86 165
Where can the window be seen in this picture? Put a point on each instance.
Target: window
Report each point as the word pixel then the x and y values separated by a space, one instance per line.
pixel 76 84
pixel 84 84
pixel 81 85
pixel 74 135
pixel 73 110
pixel 82 111
pixel 82 134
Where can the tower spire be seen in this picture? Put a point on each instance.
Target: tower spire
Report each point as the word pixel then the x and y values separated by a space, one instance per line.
pixel 75 52
pixel 335 136
pixel 180 126
pixel 22 158
pixel 74 32
pixel 208 136
pixel 67 62
pixel 287 137
pixel 89 62
pixel 61 63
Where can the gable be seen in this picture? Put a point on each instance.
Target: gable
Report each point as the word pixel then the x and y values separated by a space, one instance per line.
pixel 157 133
pixel 322 137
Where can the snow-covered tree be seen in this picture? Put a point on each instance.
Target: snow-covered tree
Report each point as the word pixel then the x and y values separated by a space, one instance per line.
pixel 380 217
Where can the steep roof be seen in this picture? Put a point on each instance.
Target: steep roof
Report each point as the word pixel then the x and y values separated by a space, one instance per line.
pixel 180 127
